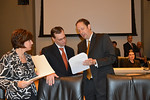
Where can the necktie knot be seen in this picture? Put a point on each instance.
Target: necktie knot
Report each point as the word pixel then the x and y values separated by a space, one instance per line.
pixel 61 49
pixel 88 47
pixel 88 42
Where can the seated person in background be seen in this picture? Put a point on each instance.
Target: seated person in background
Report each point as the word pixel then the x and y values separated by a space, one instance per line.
pixel 117 50
pixel 117 53
pixel 140 55
pixel 129 46
pixel 131 62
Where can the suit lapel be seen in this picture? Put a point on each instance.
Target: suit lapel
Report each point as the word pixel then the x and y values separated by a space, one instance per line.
pixel 57 52
pixel 84 46
pixel 67 52
pixel 93 39
pixel 130 47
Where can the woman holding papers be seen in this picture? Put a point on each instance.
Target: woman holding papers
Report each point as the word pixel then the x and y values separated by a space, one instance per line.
pixel 17 68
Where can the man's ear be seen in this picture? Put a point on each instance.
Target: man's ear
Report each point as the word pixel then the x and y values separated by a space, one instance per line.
pixel 89 26
pixel 53 39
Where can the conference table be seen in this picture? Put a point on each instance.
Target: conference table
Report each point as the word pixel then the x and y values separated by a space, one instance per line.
pixel 128 71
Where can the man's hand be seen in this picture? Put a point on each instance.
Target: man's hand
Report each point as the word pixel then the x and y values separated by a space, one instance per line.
pixel 24 84
pixel 89 62
pixel 50 79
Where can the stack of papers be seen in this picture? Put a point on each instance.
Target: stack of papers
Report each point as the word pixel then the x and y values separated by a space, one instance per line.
pixel 42 66
pixel 76 63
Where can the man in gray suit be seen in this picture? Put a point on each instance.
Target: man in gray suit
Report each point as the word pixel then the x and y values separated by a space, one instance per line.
pixel 101 56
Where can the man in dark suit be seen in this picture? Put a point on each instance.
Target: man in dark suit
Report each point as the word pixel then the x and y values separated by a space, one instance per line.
pixel 53 54
pixel 101 56
pixel 129 46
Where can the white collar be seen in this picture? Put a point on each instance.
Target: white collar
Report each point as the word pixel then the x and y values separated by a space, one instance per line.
pixel 89 38
pixel 59 46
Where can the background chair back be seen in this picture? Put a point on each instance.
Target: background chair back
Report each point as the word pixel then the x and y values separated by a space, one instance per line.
pixel 122 87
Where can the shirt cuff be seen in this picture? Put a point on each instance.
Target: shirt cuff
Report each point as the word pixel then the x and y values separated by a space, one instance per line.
pixel 96 64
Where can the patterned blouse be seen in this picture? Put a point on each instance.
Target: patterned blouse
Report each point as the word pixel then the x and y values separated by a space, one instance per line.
pixel 13 70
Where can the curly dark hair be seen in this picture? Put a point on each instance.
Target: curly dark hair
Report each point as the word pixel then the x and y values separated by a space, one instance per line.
pixel 19 36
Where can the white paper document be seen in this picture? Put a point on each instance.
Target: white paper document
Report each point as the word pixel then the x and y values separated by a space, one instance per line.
pixel 42 66
pixel 76 63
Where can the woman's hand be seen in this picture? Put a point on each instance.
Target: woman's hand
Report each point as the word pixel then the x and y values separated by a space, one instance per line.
pixel 24 84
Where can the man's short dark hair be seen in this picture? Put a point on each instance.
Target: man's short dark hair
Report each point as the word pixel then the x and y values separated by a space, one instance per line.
pixel 128 35
pixel 114 42
pixel 19 36
pixel 56 30
pixel 85 21
pixel 131 51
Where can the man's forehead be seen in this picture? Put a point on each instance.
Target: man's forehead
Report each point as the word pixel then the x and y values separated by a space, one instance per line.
pixel 131 53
